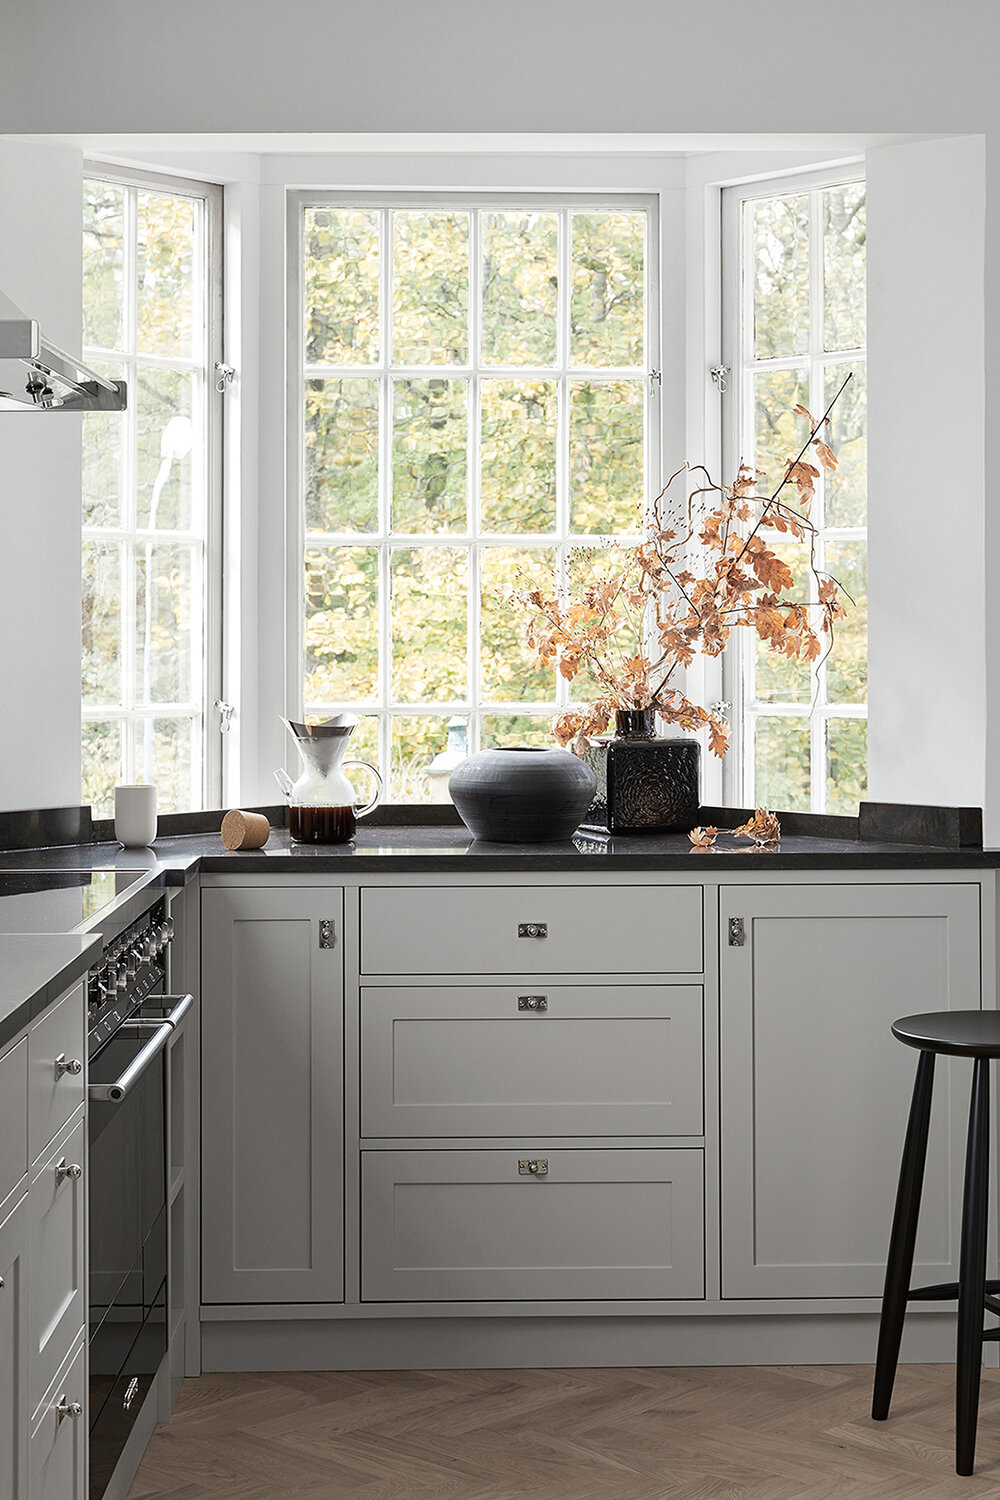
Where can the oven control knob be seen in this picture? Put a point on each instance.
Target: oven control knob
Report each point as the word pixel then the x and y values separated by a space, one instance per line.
pixel 122 977
pixel 168 928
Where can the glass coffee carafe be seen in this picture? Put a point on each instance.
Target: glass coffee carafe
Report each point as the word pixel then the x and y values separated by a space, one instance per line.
pixel 322 808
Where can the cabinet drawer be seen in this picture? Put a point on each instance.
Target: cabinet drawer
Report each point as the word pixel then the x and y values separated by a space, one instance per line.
pixel 467 1226
pixel 55 1241
pixel 634 929
pixel 597 1060
pixel 57 1454
pixel 13 1117
pixel 54 1094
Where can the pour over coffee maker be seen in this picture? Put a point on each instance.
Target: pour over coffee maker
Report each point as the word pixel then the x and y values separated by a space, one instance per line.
pixel 322 807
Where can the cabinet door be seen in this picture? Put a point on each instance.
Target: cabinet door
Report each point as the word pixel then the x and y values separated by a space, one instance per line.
pixel 272 1096
pixel 815 1088
pixel 14 1406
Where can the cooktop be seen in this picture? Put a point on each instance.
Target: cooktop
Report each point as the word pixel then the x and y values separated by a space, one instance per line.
pixel 36 901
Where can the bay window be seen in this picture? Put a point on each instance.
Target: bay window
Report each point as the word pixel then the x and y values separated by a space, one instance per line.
pixel 474 410
pixel 795 293
pixel 150 642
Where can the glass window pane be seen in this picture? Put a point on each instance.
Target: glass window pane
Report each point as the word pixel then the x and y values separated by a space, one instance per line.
pixel 781 760
pixel 102 623
pixel 103 481
pixel 846 488
pixel 587 566
pixel 778 679
pixel 508 670
pixel 429 587
pixel 606 461
pixel 778 432
pixel 164 403
pixel 520 288
pixel 341 455
pixel 844 266
pixel 608 279
pixel 505 731
pixel 341 627
pixel 518 455
pixel 341 286
pixel 417 741
pixel 165 274
pixel 103 264
pixel 846 764
pixel 847 664
pixel 429 466
pixel 779 229
pixel 102 764
pixel 430 287
pixel 165 754
pixel 163 641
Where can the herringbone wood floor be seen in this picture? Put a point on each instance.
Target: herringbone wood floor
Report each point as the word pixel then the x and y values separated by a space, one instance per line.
pixel 762 1433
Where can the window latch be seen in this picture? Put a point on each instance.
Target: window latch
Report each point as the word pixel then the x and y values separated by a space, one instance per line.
pixel 226 712
pixel 718 374
pixel 226 374
pixel 655 382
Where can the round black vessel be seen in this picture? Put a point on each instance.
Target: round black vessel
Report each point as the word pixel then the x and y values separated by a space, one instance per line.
pixel 523 795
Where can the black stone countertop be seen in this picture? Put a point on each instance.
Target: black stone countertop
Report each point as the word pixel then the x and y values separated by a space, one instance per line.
pixel 448 849
pixel 37 969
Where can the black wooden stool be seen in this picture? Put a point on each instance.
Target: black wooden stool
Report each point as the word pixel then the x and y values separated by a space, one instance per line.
pixel 963 1033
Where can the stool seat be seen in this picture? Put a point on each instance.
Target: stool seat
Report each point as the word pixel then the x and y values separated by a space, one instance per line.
pixel 956 1033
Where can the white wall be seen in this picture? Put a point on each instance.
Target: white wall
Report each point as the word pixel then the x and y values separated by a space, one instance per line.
pixel 40 226
pixel 926 406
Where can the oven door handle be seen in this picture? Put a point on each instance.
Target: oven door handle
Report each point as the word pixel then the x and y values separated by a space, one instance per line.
pixel 180 1005
pixel 114 1093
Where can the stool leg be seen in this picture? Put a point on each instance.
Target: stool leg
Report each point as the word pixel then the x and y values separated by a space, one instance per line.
pixel 899 1263
pixel 972 1272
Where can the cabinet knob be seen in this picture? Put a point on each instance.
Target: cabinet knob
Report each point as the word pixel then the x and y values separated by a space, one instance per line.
pixel 532 1002
pixel 66 1408
pixel 71 1065
pixel 2 1283
pixel 536 1167
pixel 70 1169
pixel 533 929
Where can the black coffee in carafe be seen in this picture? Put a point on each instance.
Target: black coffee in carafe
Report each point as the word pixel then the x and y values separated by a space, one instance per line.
pixel 321 825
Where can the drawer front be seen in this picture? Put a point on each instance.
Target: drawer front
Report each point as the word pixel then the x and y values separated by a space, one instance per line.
pixel 57 1455
pixel 635 929
pixel 55 1237
pixel 55 1094
pixel 491 1061
pixel 13 1117
pixel 440 1226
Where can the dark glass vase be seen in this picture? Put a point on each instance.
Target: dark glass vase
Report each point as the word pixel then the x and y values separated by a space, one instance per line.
pixel 644 784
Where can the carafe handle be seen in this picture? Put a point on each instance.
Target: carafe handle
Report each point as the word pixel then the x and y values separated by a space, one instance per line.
pixel 285 782
pixel 359 812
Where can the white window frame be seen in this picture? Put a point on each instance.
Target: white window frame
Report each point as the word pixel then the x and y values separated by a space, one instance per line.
pixel 206 744
pixel 737 326
pixel 473 542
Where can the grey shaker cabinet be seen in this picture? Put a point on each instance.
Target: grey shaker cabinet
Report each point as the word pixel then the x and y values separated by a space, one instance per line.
pixel 15 1410
pixel 272 1107
pixel 815 1089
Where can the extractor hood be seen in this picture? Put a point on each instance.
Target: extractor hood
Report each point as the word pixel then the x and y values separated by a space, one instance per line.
pixel 37 376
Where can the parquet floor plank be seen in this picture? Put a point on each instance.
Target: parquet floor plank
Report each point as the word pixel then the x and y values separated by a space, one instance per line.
pixel 729 1433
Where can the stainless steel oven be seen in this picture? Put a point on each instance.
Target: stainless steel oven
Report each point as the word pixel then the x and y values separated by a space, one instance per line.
pixel 132 1022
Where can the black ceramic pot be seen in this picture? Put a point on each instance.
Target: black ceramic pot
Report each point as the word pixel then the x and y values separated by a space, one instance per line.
pixel 644 784
pixel 522 796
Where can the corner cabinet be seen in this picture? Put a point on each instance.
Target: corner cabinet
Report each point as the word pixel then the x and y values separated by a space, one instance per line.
pixel 815 1089
pixel 272 1105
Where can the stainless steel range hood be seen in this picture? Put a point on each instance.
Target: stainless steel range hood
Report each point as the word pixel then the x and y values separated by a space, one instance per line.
pixel 38 376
